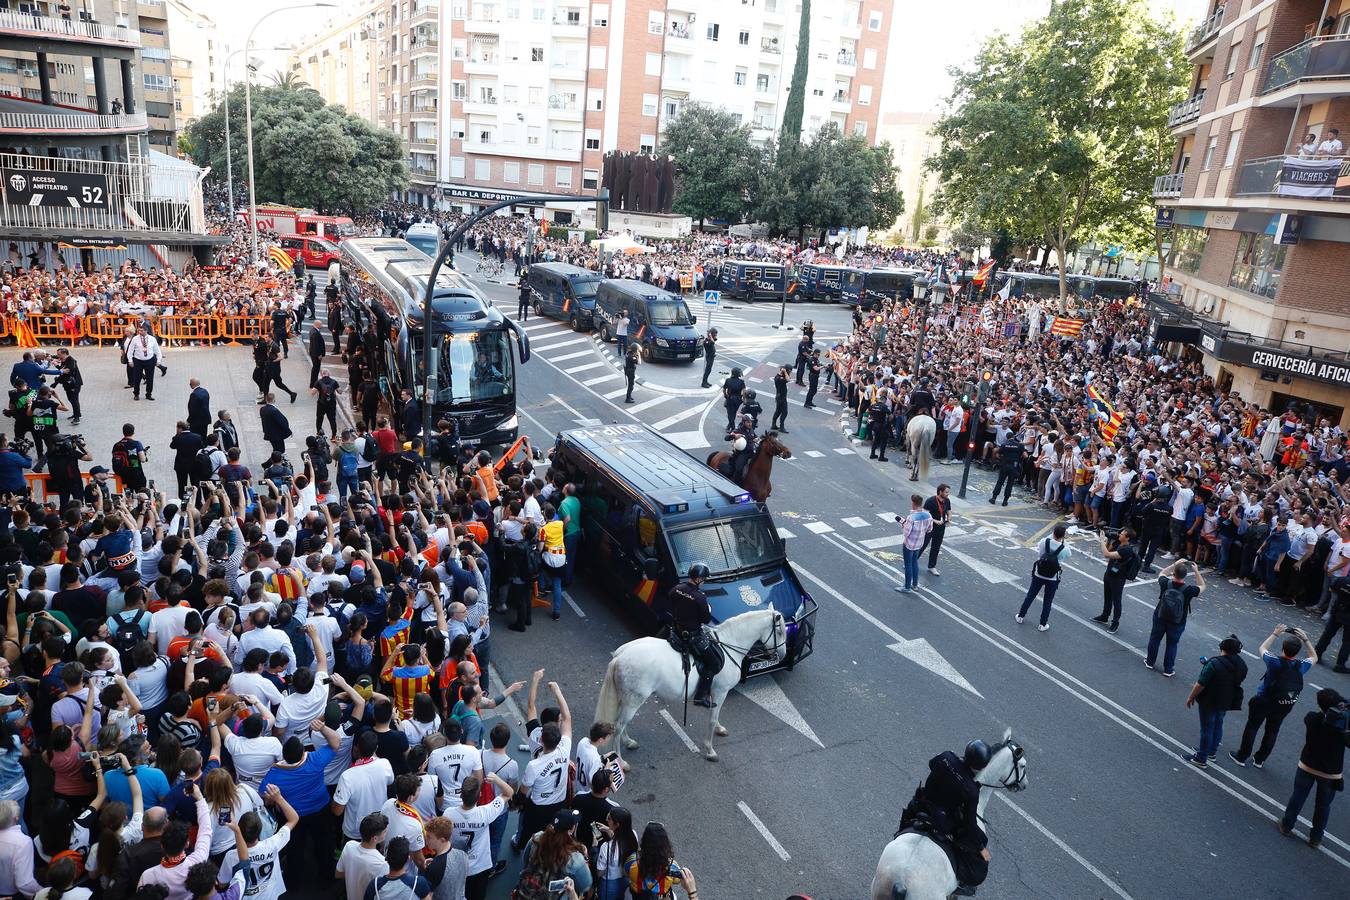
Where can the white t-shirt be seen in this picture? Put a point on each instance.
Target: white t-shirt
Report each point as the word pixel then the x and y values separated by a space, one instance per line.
pixel 329 631
pixel 588 763
pixel 471 830
pixel 222 838
pixel 269 639
pixel 362 789
pixel 546 776
pixel 1124 478
pixel 258 686
pixel 342 756
pixel 264 882
pixel 359 866
pixel 253 757
pixel 149 684
pixel 1181 503
pixel 167 624
pixel 298 710
pixel 403 825
pixel 452 764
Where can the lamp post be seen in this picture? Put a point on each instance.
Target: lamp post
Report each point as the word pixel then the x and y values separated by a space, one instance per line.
pixel 229 158
pixel 248 123
pixel 922 290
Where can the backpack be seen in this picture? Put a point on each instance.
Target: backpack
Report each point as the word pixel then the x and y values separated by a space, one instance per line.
pixel 534 879
pixel 1132 566
pixel 128 633
pixel 1171 606
pixel 1285 684
pixel 347 464
pixel 202 467
pixel 1047 566
pixel 370 450
pixel 121 456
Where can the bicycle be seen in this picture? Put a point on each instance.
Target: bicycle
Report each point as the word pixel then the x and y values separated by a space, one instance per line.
pixel 492 268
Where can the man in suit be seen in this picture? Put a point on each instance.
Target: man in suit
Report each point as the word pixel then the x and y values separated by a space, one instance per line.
pixel 411 415
pixel 70 379
pixel 274 425
pixel 317 346
pixel 199 408
pixel 185 444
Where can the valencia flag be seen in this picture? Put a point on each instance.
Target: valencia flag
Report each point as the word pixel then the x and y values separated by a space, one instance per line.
pixel 1066 327
pixel 982 274
pixel 280 258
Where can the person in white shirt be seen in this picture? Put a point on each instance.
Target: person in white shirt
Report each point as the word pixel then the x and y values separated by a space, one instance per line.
pixel 1120 493
pixel 251 681
pixel 1309 146
pixel 588 755
pixel 362 789
pixel 471 823
pixel 265 881
pixel 143 355
pixel 361 861
pixel 405 820
pixel 254 750
pixel 545 778
pixel 308 697
pixel 326 628
pixel 1332 146
pixel 1182 494
pixel 167 624
pixel 454 762
pixel 264 636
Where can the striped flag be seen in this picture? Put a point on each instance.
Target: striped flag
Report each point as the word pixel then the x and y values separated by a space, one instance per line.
pixel 983 273
pixel 1109 428
pixel 1065 327
pixel 646 590
pixel 1108 420
pixel 280 258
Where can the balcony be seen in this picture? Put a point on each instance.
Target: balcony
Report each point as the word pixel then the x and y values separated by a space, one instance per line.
pixel 24 123
pixel 565 71
pixel 424 80
pixel 484 64
pixel 155 9
pixel 846 58
pixel 423 46
pixel 1205 31
pixel 1324 58
pixel 483 25
pixel 426 14
pixel 423 144
pixel 533 151
pixel 564 112
pixel 422 173
pixel 679 31
pixel 483 106
pixel 770 45
pixel 1186 110
pixel 422 113
pixel 140 199
pixel 1316 178
pixel 1165 186
pixel 677 82
pixel 49 28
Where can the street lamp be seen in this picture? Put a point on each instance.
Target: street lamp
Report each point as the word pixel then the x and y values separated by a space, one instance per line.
pixel 922 291
pixel 229 159
pixel 248 122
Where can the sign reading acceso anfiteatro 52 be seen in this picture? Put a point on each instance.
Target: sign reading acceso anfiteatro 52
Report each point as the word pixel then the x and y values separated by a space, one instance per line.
pixel 79 190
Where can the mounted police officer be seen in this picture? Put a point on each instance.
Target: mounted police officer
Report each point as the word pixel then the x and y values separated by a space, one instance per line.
pixel 949 802
pixel 742 439
pixel 691 615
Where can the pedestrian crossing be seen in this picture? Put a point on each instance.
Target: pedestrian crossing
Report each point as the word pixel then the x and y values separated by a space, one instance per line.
pixel 818 526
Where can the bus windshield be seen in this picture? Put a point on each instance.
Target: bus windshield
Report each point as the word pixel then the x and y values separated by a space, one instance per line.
pixel 427 243
pixel 585 288
pixel 739 543
pixel 476 366
pixel 669 313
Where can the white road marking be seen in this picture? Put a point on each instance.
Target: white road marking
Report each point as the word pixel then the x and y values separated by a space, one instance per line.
pixel 763 831
pixel 1073 854
pixel 566 356
pixel 678 417
pixel 990 573
pixel 684 737
pixel 819 527
pixel 687 440
pixel 890 540
pixel 648 404
pixel 785 534
pixel 754 380
pixel 576 413
pixel 540 348
pixel 572 603
pixel 510 701
pixel 814 454
pixel 856 522
pixel 619 393
pixel 886 517
pixel 919 651
pixel 768 695
pixel 844 451
pixel 584 367
pixel 608 376
pixel 539 326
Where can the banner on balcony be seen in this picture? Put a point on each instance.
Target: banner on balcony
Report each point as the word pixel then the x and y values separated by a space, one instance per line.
pixel 32 187
pixel 1308 177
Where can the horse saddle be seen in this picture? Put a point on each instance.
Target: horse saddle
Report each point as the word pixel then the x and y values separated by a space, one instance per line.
pixel 700 648
pixel 920 817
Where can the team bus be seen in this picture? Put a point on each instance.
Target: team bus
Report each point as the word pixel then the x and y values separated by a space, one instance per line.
pixel 1107 288
pixel 649 511
pixel 1031 284
pixel 868 287
pixel 383 283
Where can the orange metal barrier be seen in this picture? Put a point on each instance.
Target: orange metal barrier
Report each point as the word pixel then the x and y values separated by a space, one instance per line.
pixel 188 328
pixel 235 329
pixel 510 453
pixel 56 327
pixel 37 484
pixel 105 327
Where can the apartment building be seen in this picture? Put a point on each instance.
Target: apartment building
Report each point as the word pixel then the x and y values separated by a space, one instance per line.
pixel 339 60
pixel 910 135
pixel 197 62
pixel 1258 203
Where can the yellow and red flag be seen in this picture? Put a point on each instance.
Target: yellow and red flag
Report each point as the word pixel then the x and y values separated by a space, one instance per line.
pixel 280 258
pixel 1065 327
pixel 982 274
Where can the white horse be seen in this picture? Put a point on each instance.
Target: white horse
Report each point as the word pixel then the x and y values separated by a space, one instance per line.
pixel 650 665
pixel 920 433
pixel 912 867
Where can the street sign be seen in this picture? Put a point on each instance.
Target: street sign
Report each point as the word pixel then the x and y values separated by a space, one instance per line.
pixel 712 298
pixel 32 187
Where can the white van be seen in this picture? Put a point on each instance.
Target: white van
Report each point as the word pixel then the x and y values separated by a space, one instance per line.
pixel 425 237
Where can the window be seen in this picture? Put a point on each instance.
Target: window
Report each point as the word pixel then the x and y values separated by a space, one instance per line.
pixel 511 172
pixel 155 82
pixel 592 138
pixel 595 99
pixel 870 58
pixel 874 20
pixel 457 129
pixel 865 95
pixel 485 135
pixel 649 103
pixel 714 31
pixel 1258 265
pixel 860 128
pixel 600 15
pixel 743 38
pixel 513 10
pixel 459 90
pixel 458 49
pixel 647 143
pixel 538 13
pixel 597 57
pixel 562 176
pixel 1258 44
pixel 535 174
pixel 1188 246
pixel 763 83
pixel 1209 153
pixel 653 66
pixel 536 54
pixel 1234 53
pixel 510 133
pixel 1234 139
pixel 672 108
pixel 536 96
pixel 656 22
pixel 482 169
pixel 741 76
pixel 590 179
pixel 511 94
pixel 533 135
pixel 456 167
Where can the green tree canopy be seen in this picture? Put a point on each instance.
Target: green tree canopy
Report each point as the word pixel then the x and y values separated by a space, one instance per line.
pixel 716 165
pixel 304 152
pixel 791 130
pixel 1055 135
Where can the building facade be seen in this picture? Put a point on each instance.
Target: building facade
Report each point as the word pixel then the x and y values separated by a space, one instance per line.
pixel 196 62
pixel 529 95
pixel 1258 203
pixel 912 142
pixel 339 60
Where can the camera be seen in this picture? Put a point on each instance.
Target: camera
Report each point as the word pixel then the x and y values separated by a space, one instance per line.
pixel 557 885
pixel 21 445
pixel 1112 535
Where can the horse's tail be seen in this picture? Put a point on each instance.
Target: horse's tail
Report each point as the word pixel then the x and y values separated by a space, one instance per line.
pixel 925 452
pixel 607 707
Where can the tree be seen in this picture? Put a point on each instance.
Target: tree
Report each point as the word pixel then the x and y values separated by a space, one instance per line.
pixel 920 216
pixel 791 131
pixel 184 144
pixel 290 81
pixel 1055 136
pixel 304 152
pixel 716 165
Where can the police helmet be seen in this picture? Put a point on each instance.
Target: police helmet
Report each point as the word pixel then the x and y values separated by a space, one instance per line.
pixel 698 572
pixel 749 394
pixel 977 754
pixel 739 443
pixel 735 372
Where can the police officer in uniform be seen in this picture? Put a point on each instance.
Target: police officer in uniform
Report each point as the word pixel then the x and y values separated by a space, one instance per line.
pixel 1010 454
pixel 953 798
pixel 523 302
pixel 691 614
pixel 742 439
pixel 803 356
pixel 630 364
pixel 921 401
pixel 732 389
pixel 750 407
pixel 780 383
pixel 709 354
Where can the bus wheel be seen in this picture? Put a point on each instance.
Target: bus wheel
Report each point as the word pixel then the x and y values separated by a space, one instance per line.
pixel 538 311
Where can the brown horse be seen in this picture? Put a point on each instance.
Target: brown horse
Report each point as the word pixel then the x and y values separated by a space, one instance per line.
pixel 756 478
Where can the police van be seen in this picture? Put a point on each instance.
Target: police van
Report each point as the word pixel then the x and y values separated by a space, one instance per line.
pixel 868 288
pixel 565 292
pixel 659 322
pixel 425 237
pixel 821 282
pixel 649 511
pixel 747 279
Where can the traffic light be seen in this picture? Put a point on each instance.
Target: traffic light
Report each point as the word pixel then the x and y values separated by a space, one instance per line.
pixel 968 393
